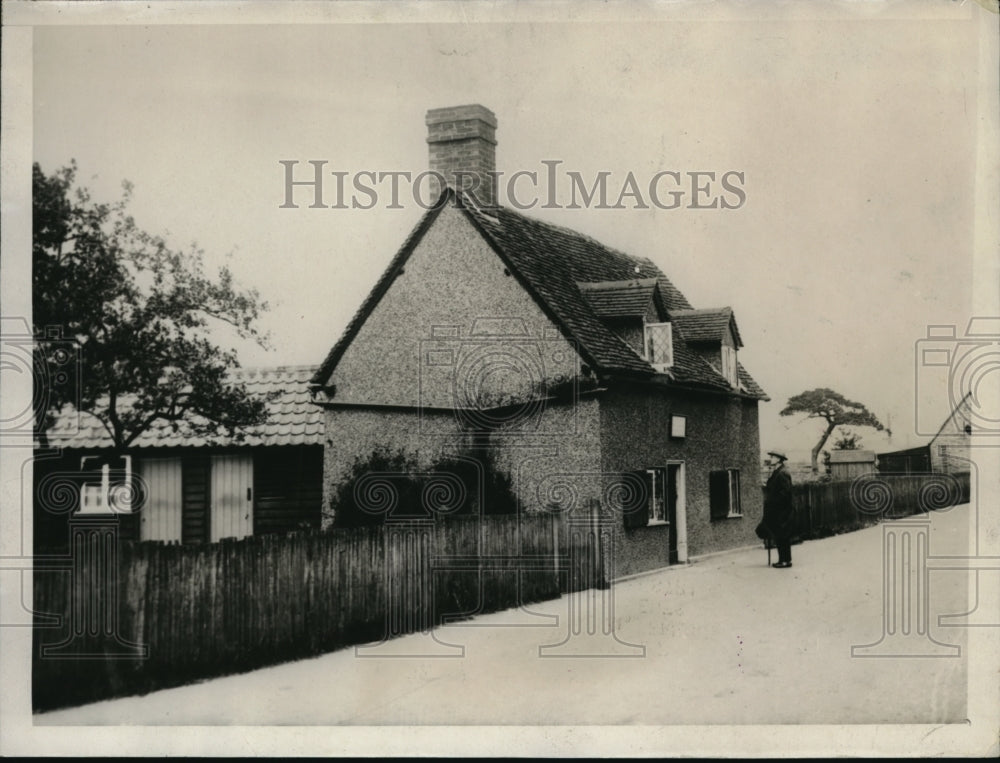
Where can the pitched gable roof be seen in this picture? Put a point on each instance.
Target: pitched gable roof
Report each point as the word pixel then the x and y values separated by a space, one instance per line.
pixel 707 325
pixel 549 262
pixel 293 418
pixel 957 421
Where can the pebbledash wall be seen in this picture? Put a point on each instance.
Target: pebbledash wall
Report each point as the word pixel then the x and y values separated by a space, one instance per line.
pixel 546 454
pixel 567 457
pixel 721 433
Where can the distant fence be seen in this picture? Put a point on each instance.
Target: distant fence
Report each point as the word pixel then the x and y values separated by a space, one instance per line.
pixel 827 508
pixel 134 617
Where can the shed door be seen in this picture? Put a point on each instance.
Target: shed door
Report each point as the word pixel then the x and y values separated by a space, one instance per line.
pixel 232 496
pixel 160 515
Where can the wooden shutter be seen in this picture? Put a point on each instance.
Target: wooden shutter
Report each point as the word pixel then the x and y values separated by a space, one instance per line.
pixel 718 493
pixel 636 512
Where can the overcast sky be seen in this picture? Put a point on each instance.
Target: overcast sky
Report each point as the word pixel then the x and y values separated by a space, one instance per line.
pixel 856 137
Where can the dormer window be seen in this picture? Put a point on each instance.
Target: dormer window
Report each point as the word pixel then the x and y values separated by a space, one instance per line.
pixel 712 334
pixel 729 368
pixel 659 346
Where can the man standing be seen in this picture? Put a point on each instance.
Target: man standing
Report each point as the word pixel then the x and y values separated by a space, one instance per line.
pixel 778 510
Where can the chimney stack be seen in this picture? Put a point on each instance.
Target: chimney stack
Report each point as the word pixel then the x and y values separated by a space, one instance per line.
pixel 462 144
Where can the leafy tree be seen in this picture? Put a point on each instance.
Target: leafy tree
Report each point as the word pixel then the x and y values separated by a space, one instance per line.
pixel 141 316
pixel 834 409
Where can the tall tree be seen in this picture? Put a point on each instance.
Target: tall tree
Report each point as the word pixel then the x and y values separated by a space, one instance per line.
pixel 142 320
pixel 833 408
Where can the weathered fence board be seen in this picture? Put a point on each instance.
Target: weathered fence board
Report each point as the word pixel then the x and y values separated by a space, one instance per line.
pixel 826 508
pixel 205 610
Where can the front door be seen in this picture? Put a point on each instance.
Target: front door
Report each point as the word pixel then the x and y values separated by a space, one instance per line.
pixel 676 509
pixel 232 497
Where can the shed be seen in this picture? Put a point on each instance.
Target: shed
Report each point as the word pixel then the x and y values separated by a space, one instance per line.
pixel 848 464
pixel 909 461
pixel 174 486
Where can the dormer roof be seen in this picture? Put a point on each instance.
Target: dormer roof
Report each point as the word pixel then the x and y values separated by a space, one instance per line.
pixel 707 326
pixel 620 299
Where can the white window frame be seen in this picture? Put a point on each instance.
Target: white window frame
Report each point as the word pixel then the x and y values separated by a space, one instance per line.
pixel 661 367
pixel 102 497
pixel 658 473
pixel 735 505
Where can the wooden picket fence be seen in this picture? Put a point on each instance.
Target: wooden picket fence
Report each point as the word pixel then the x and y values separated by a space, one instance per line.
pixel 827 508
pixel 123 618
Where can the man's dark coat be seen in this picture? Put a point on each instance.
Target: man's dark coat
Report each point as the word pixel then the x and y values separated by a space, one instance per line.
pixel 778 508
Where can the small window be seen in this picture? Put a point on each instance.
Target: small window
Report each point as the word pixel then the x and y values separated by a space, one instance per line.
pixel 724 494
pixel 659 345
pixel 657 480
pixel 648 502
pixel 729 367
pixel 107 486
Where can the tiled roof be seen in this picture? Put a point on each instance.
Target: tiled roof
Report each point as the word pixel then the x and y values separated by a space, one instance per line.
pixel 293 418
pixel 619 299
pixel 550 262
pixel 747 382
pixel 706 325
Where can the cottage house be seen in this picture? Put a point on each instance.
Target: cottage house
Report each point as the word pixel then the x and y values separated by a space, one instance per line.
pixel 583 371
pixel 184 487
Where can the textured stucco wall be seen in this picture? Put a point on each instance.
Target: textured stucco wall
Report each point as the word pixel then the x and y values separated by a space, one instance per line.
pixel 452 279
pixel 722 432
pixel 553 457
pixel 557 463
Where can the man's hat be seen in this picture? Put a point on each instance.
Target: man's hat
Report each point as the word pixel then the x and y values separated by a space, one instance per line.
pixel 777 454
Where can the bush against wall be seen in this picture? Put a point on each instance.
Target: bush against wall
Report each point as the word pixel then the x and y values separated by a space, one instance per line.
pixel 390 484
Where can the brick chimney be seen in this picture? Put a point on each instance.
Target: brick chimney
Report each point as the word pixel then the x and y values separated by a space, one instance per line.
pixel 462 145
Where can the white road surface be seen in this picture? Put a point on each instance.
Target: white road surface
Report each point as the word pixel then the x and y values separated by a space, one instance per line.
pixel 726 640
